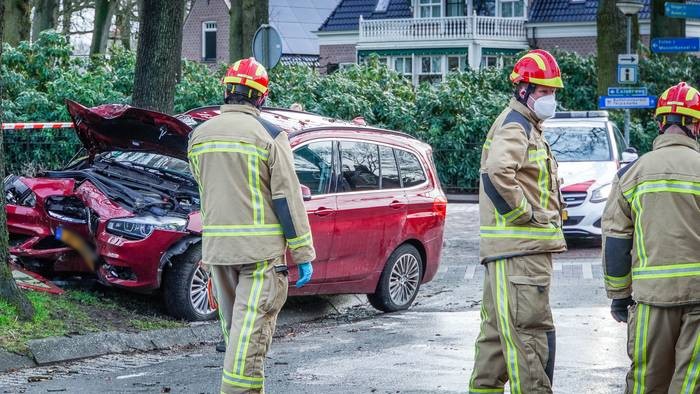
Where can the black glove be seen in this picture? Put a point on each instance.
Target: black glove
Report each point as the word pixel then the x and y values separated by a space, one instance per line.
pixel 619 308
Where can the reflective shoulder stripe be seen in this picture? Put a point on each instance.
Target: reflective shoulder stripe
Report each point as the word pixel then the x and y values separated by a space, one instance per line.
pixel 672 186
pixel 666 271
pixel 228 147
pixel 537 154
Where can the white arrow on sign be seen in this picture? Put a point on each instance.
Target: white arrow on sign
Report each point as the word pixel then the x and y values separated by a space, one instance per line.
pixel 628 58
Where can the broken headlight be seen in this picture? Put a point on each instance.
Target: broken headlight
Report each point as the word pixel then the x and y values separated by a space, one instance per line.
pixel 141 227
pixel 17 193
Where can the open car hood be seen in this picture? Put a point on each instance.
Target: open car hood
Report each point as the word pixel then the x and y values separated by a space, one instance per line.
pixel 122 127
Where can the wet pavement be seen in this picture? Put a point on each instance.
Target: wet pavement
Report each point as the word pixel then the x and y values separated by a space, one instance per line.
pixel 427 349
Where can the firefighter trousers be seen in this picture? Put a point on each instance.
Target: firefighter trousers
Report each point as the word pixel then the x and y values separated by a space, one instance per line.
pixel 250 297
pixel 517 342
pixel 664 346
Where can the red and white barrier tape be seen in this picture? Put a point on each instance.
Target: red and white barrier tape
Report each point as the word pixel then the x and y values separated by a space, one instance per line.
pixel 37 126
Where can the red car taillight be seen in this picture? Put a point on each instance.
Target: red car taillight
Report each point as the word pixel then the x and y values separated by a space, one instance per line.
pixel 440 206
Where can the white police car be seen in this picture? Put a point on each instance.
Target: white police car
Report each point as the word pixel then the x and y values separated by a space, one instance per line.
pixel 589 149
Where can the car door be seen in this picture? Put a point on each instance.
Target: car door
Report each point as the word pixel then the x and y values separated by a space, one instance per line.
pixel 314 166
pixel 368 217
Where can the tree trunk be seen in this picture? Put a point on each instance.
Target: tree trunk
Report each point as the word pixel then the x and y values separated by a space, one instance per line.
pixel 612 41
pixel 45 17
pixel 17 21
pixel 9 292
pixel 66 15
pixel 104 10
pixel 235 40
pixel 123 22
pixel 159 54
pixel 255 13
pixel 662 26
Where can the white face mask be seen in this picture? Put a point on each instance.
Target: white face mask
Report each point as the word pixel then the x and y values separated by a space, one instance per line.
pixel 545 107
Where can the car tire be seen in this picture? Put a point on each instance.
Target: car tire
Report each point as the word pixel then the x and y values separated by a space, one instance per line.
pixel 185 283
pixel 400 280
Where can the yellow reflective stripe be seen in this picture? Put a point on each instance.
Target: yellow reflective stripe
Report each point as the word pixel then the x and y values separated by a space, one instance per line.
pixel 537 58
pixel 639 232
pixel 666 271
pixel 247 82
pixel 618 282
pixel 237 383
pixel 517 212
pixel 256 198
pixel 249 319
pixel 681 110
pixel 504 316
pixel 487 143
pixel 555 82
pixel 691 376
pixel 543 182
pixel 486 391
pixel 671 186
pixel 223 321
pixel 298 242
pixel 243 381
pixel 194 160
pixel 691 93
pixel 639 371
pixel 500 221
pixel 537 154
pixel 520 232
pixel 245 230
pixel 228 147
pixel 482 336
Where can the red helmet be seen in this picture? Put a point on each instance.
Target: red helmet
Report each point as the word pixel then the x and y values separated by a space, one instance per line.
pixel 537 67
pixel 247 77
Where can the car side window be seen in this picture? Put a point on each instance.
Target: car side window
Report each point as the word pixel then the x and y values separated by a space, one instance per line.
pixel 359 163
pixel 313 164
pixel 389 169
pixel 411 170
pixel 621 144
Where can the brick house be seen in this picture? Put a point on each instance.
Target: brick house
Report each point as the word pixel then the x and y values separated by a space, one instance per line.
pixel 205 35
pixel 426 39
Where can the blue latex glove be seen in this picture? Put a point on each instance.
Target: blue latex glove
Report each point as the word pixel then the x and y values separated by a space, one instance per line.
pixel 306 270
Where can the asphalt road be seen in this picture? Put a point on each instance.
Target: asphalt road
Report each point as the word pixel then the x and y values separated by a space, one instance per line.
pixel 427 349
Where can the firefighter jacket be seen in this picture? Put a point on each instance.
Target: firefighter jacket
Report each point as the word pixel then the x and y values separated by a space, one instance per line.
pixel 519 199
pixel 651 226
pixel 251 203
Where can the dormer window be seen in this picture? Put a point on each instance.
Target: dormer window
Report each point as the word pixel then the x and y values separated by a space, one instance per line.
pixel 382 5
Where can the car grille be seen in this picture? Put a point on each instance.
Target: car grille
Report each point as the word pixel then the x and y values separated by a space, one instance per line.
pixel 573 220
pixel 574 199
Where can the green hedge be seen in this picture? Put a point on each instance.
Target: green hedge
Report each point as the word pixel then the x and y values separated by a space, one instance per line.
pixel 453 116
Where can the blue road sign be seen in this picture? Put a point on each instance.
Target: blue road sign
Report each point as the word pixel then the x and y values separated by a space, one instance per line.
pixel 629 102
pixel 680 10
pixel 617 91
pixel 687 44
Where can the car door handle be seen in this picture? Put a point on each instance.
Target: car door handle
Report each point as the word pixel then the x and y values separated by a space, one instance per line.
pixel 323 211
pixel 397 204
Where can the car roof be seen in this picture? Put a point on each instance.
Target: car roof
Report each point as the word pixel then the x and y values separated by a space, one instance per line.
pixel 579 122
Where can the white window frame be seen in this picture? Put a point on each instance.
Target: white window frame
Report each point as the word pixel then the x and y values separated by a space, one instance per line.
pixel 345 66
pixel 406 60
pixel 462 66
pixel 208 26
pixel 499 61
pixel 499 8
pixel 419 71
pixel 432 3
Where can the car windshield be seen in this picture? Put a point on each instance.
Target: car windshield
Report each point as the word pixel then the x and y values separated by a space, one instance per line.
pixel 150 160
pixel 579 143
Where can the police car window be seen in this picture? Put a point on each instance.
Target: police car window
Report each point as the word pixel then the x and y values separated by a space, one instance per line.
pixel 390 171
pixel 313 164
pixel 359 163
pixel 621 144
pixel 411 171
pixel 579 143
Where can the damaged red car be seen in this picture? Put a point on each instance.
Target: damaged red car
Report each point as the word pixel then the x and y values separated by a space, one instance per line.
pixel 128 209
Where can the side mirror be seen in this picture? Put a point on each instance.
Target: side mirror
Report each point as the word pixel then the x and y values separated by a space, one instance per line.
pixel 305 193
pixel 629 155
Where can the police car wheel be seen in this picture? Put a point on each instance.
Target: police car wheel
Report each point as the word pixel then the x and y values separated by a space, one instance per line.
pixel 398 286
pixel 185 289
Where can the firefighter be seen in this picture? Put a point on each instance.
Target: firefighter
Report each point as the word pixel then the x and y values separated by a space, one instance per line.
pixel 521 217
pixel 252 213
pixel 651 251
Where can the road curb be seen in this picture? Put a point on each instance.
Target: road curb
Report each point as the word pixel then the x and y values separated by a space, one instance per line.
pixel 69 348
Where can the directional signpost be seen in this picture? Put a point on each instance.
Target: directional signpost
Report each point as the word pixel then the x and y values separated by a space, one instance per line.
pixel 680 10
pixel 628 102
pixel 625 91
pixel 681 44
pixel 627 68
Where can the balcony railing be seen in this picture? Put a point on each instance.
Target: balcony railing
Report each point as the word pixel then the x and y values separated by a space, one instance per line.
pixel 450 28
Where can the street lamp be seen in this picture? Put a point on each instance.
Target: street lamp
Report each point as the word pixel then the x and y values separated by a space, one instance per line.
pixel 630 8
